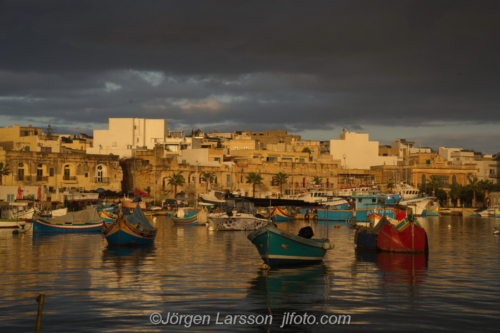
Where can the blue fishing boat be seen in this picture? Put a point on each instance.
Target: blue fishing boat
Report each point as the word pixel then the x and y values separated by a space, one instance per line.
pixel 87 220
pixel 134 229
pixel 190 216
pixel 361 207
pixel 278 247
pixel 281 214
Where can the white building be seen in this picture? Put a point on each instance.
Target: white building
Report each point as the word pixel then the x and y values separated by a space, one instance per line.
pixel 355 151
pixel 127 134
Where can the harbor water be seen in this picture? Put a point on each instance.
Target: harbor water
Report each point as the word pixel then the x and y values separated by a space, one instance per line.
pixel 197 280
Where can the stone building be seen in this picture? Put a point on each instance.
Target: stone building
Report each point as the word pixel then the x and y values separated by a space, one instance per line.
pixel 61 171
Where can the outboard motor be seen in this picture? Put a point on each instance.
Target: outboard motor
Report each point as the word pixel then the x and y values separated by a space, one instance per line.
pixel 306 232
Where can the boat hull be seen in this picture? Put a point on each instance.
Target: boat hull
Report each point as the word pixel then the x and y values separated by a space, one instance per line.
pixel 243 223
pixel 189 218
pixel 12 223
pixel 45 225
pixel 277 247
pixel 410 238
pixel 123 233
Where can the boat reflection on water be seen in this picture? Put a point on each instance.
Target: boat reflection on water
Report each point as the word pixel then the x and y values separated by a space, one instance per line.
pixel 127 256
pixel 287 289
pixel 397 268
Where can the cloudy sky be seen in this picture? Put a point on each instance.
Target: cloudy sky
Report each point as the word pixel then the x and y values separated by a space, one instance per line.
pixel 426 71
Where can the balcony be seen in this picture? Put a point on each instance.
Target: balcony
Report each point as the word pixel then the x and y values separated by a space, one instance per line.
pixel 70 179
pixel 42 179
pixel 102 180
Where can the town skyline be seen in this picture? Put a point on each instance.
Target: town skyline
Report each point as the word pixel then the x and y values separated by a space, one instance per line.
pixel 425 71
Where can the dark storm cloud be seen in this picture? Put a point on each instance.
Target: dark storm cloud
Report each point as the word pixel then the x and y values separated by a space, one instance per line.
pixel 226 65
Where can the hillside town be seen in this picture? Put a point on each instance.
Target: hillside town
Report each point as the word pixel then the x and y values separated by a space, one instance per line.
pixel 136 154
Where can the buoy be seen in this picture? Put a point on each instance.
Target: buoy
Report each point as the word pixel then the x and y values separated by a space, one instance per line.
pixel 328 246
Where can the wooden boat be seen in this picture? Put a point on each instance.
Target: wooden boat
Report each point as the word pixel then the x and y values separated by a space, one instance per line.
pixel 190 216
pixel 281 214
pixel 407 237
pixel 87 220
pixel 214 197
pixel 17 211
pixel 497 212
pixel 240 215
pixel 12 223
pixel 134 229
pixel 51 212
pixel 131 204
pixel 278 247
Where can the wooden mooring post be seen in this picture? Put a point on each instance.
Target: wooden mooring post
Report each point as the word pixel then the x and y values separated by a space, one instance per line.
pixel 40 299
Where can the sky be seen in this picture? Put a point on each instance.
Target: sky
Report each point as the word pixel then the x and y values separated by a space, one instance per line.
pixel 426 71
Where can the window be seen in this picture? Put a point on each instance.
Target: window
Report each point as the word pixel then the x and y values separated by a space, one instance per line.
pixel 52 172
pixel 20 174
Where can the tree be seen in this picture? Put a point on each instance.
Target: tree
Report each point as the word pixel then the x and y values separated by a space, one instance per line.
pixel 474 186
pixel 280 179
pixel 254 179
pixel 486 186
pixel 4 171
pixel 177 179
pixel 309 151
pixel 48 132
pixel 208 177
pixel 435 183
pixel 455 192
pixel 390 186
pixel 317 180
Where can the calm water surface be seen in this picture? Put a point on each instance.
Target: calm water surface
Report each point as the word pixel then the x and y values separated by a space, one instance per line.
pixel 90 287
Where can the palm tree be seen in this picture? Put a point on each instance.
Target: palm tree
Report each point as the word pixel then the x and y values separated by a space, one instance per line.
pixel 208 177
pixel 254 179
pixel 455 191
pixel 474 186
pixel 177 179
pixel 280 179
pixel 390 186
pixel 435 183
pixel 4 171
pixel 317 180
pixel 485 185
pixel 307 150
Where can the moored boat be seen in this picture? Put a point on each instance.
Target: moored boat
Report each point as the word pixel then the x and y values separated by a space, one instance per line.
pixel 281 214
pixel 240 215
pixel 87 220
pixel 190 216
pixel 406 237
pixel 134 229
pixel 12 223
pixel 278 247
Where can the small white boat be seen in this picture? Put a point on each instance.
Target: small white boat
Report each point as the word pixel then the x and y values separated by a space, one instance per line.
pixel 240 215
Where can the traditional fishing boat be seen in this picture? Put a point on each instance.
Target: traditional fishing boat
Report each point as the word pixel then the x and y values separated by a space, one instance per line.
pixel 190 216
pixel 132 203
pixel 280 214
pixel 87 220
pixel 278 247
pixel 12 223
pixel 240 215
pixel 407 236
pixel 134 229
